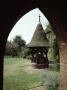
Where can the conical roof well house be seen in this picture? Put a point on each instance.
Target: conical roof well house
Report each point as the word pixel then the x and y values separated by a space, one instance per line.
pixel 39 47
pixel 39 38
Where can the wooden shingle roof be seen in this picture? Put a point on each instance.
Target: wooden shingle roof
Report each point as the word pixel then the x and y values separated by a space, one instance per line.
pixel 39 38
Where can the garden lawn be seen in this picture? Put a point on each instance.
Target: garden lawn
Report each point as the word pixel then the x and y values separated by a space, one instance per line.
pixel 15 76
pixel 19 75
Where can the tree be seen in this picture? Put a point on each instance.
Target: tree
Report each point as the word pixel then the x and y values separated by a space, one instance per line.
pixel 26 53
pixel 19 41
pixel 11 49
pixel 15 47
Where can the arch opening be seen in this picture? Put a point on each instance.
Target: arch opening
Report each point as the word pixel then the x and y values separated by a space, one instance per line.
pixel 31 36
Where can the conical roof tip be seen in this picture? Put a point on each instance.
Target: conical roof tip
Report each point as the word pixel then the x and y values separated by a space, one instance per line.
pixel 39 38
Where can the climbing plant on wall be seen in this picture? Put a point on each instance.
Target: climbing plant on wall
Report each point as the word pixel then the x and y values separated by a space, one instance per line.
pixel 53 53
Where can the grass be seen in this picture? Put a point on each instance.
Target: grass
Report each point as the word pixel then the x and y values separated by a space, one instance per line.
pixel 17 75
pixel 20 81
pixel 9 61
pixel 51 80
pixel 16 78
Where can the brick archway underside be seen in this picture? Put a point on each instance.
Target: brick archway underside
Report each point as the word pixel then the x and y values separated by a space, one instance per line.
pixel 55 12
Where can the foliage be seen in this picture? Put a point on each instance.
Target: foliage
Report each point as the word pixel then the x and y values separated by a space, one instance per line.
pixel 53 53
pixel 26 52
pixel 15 47
pixel 11 49
pixel 51 80
pixel 19 41
pixel 54 67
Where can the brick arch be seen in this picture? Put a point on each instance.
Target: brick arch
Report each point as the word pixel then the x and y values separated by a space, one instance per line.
pixel 55 12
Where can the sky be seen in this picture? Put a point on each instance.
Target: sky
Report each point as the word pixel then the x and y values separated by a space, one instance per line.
pixel 26 25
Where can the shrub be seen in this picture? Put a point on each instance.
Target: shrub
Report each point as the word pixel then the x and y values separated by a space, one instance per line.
pixel 55 67
pixel 51 80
